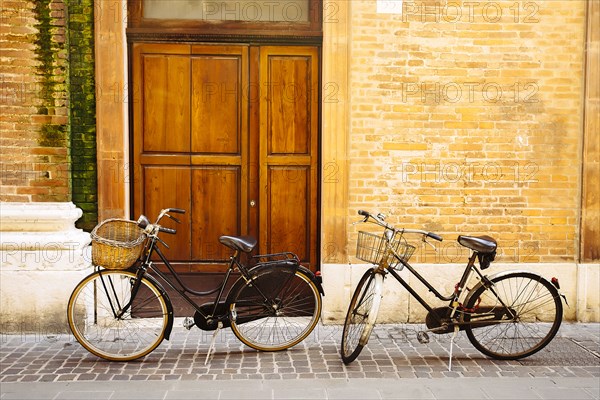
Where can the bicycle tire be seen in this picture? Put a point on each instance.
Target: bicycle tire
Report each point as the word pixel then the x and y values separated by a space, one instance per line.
pixel 362 315
pixel 276 309
pixel 96 327
pixel 536 304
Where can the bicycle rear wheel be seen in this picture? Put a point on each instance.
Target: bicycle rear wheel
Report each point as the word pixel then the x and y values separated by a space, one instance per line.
pixel 517 316
pixel 361 315
pixel 93 311
pixel 275 310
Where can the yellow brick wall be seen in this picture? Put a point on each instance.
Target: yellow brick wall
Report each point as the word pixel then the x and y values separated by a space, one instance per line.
pixel 465 117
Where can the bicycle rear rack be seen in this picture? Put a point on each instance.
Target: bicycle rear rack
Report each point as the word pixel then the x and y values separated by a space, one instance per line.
pixel 275 258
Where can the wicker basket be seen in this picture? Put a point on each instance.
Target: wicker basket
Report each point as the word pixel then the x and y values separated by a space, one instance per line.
pixel 371 248
pixel 117 243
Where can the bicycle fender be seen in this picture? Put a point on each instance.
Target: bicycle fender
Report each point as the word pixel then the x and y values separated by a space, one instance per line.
pixel 316 279
pixel 165 295
pixel 255 271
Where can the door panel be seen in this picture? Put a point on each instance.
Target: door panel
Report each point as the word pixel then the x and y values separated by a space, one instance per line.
pixel 216 204
pixel 289 129
pixel 288 226
pixel 216 106
pixel 166 92
pixel 169 187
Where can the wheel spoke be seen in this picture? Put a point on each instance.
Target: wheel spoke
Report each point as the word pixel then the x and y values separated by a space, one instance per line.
pixel 357 317
pixel 92 317
pixel 285 317
pixel 537 309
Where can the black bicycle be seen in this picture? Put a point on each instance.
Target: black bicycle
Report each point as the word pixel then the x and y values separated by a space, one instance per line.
pixel 121 312
pixel 509 315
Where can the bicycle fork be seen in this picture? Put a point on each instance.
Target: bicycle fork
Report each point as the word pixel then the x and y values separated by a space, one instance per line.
pixel 372 317
pixel 109 288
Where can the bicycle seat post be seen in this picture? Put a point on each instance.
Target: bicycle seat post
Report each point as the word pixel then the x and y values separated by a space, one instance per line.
pixel 234 257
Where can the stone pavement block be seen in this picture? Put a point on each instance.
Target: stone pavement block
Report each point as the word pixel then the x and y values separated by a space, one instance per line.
pixel 192 394
pixel 404 391
pixel 79 395
pixel 593 391
pixel 579 382
pixel 502 391
pixel 214 385
pixel 28 395
pixel 370 393
pixel 551 393
pixel 132 394
pixel 467 388
pixel 299 394
pixel 245 394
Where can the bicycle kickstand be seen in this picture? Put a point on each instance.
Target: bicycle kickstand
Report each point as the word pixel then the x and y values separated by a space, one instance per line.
pixel 451 346
pixel 212 342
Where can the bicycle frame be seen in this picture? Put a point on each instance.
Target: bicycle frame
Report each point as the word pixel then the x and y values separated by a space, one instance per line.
pixel 466 274
pixel 183 290
pixel 383 268
pixel 452 298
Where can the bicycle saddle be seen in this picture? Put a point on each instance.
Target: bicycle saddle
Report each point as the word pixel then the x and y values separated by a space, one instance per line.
pixel 241 243
pixel 483 244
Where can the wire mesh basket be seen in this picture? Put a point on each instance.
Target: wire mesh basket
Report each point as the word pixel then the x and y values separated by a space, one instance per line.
pixel 372 248
pixel 117 243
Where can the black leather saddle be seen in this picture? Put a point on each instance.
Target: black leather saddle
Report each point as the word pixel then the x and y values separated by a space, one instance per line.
pixel 242 243
pixel 482 244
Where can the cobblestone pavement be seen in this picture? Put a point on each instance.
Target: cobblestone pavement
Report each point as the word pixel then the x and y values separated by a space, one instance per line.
pixel 393 352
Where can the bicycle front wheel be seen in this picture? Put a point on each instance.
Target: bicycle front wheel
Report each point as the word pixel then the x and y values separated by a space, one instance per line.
pixel 94 316
pixel 515 317
pixel 361 315
pixel 275 310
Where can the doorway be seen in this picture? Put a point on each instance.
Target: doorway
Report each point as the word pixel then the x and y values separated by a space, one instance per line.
pixel 229 132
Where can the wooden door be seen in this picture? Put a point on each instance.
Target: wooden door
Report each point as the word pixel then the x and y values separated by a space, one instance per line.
pixel 289 118
pixel 229 133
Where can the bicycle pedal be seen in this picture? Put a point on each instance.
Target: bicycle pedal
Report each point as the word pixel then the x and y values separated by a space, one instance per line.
pixel 188 323
pixel 423 337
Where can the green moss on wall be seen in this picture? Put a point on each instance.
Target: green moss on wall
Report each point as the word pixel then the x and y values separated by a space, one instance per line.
pixel 46 52
pixel 82 112
pixel 49 48
pixel 64 48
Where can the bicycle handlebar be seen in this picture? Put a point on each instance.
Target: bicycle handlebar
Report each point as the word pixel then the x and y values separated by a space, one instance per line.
pixel 167 230
pixel 435 236
pixel 378 219
pixel 145 224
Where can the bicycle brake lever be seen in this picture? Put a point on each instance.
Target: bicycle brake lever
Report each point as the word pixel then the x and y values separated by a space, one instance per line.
pixel 173 218
pixel 360 222
pixel 432 246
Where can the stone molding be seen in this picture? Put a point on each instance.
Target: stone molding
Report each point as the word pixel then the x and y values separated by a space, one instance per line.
pixel 42 257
